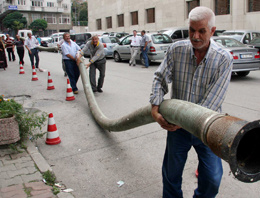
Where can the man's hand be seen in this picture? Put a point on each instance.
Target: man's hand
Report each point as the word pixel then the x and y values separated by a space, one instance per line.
pixel 163 123
pixel 88 65
pixel 78 61
pixel 30 52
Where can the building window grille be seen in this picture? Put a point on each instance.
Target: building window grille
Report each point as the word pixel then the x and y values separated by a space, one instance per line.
pixel 150 15
pixel 50 4
pixel 21 2
pixel 37 4
pixel 50 18
pixel 120 19
pixel 253 5
pixel 222 7
pixel 64 19
pixel 65 6
pixel 109 22
pixel 36 16
pixel 192 4
pixel 134 17
pixel 99 25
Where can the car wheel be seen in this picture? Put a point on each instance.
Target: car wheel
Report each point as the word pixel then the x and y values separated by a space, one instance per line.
pixel 142 60
pixel 117 57
pixel 244 73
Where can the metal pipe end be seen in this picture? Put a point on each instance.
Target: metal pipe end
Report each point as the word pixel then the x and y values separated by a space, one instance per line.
pixel 245 153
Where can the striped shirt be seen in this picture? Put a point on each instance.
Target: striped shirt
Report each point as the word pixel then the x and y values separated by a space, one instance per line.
pixel 71 49
pixel 204 84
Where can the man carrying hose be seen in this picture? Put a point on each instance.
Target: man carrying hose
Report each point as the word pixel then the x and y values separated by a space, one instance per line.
pixel 200 72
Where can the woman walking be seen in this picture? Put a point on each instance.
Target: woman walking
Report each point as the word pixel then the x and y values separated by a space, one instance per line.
pixel 20 49
pixel 3 61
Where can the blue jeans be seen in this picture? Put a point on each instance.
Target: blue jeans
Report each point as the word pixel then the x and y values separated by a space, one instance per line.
pixel 210 166
pixel 73 73
pixel 145 56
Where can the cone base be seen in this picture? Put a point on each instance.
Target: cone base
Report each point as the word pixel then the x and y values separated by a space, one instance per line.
pixel 50 88
pixel 53 141
pixel 70 98
pixel 21 73
pixel 34 79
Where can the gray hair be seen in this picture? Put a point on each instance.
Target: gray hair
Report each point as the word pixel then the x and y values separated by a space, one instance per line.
pixel 95 35
pixel 200 13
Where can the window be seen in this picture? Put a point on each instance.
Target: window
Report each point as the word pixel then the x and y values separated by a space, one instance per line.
pixel 50 4
pixel 35 16
pixel 37 3
pixel 65 6
pixel 50 18
pixel 99 25
pixel 134 17
pixel 253 5
pixel 21 2
pixel 150 15
pixel 64 19
pixel 255 34
pixel 120 19
pixel 192 4
pixel 222 7
pixel 109 22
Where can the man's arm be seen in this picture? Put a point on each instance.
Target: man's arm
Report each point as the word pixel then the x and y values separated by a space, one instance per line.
pixel 25 44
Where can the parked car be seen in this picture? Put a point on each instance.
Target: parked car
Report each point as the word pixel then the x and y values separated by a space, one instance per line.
pixel 118 34
pixel 45 41
pixel 157 48
pixel 23 33
pixel 255 43
pixel 244 36
pixel 108 42
pixel 80 38
pixel 54 41
pixel 218 32
pixel 56 34
pixel 176 33
pixel 246 59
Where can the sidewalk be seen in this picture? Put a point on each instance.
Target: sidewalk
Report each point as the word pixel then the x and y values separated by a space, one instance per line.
pixel 20 174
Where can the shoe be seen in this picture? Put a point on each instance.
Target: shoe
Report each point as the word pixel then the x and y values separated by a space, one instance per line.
pixel 65 74
pixel 144 67
pixel 100 90
pixel 94 91
pixel 129 64
pixel 133 64
pixel 41 70
pixel 76 92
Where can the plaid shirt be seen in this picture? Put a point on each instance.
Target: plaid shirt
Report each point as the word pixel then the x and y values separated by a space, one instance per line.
pixel 204 84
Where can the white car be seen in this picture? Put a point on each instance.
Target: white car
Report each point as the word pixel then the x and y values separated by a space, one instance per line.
pixel 54 41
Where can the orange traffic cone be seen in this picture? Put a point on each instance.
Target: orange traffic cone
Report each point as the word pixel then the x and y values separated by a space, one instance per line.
pixel 70 95
pixel 34 75
pixel 50 85
pixel 21 68
pixel 52 133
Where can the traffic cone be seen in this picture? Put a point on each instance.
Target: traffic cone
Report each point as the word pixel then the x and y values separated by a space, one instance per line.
pixel 52 137
pixel 50 85
pixel 34 75
pixel 70 95
pixel 21 68
pixel 197 173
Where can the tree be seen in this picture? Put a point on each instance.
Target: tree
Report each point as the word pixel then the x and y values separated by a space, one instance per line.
pixel 38 24
pixel 15 21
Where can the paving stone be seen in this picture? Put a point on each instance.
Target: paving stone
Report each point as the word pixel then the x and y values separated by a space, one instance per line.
pixel 10 161
pixel 15 193
pixel 38 192
pixel 14 173
pixel 64 195
pixel 12 181
pixel 19 155
pixel 24 164
pixel 32 177
pixel 5 152
pixel 11 188
pixel 31 169
pixel 1 164
pixel 4 175
pixel 37 185
pixel 26 159
pixel 45 195
pixel 10 167
pixel 5 157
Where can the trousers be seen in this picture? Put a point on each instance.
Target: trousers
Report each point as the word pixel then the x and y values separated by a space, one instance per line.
pixel 101 66
pixel 145 56
pixel 34 53
pixel 210 167
pixel 10 52
pixel 134 52
pixel 73 73
pixel 20 52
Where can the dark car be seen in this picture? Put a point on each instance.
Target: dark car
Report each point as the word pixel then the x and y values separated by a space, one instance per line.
pixel 80 38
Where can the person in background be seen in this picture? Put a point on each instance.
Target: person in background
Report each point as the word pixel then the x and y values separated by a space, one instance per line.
pixel 39 39
pixel 9 45
pixel 20 48
pixel 62 61
pixel 2 54
pixel 31 45
pixel 144 48
pixel 135 47
pixel 97 61
pixel 200 72
pixel 69 50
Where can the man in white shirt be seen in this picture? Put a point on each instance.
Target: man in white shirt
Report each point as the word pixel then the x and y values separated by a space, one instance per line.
pixel 30 43
pixel 135 47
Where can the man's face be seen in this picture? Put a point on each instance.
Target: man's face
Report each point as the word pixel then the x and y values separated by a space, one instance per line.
pixel 134 32
pixel 7 36
pixel 142 33
pixel 29 35
pixel 67 37
pixel 95 40
pixel 17 36
pixel 200 33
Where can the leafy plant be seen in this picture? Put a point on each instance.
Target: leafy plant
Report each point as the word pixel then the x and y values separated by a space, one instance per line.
pixel 15 20
pixel 29 122
pixel 49 177
pixel 38 24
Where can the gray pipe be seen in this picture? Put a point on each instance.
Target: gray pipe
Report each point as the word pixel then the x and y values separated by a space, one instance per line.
pixel 234 140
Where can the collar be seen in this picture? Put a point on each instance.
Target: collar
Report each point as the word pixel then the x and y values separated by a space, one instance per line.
pixel 206 55
pixel 93 44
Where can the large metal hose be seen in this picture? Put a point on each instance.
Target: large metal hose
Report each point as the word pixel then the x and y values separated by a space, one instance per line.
pixel 234 140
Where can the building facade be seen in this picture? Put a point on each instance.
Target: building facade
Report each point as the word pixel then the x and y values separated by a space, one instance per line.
pixel 155 15
pixel 55 12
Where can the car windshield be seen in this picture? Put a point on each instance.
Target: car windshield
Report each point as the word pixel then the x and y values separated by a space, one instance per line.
pixel 229 42
pixel 80 37
pixel 255 41
pixel 161 38
pixel 105 39
pixel 233 33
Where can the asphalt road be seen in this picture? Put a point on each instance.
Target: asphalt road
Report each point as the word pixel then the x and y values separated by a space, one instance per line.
pixel 91 160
